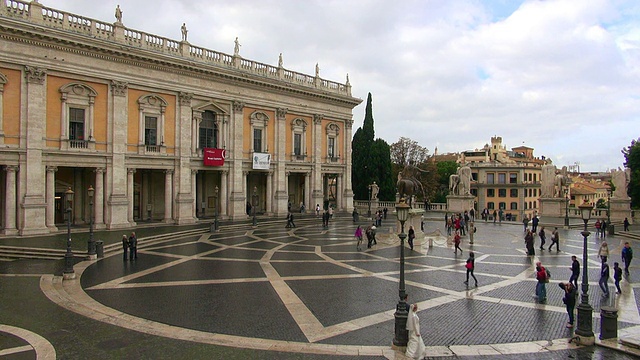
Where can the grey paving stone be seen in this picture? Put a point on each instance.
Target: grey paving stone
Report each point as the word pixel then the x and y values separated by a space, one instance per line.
pixel 253 254
pixel 187 250
pixel 306 269
pixel 114 267
pixel 204 270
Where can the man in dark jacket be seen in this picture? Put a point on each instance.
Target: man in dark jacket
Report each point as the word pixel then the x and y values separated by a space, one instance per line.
pixel 133 247
pixel 604 279
pixel 575 271
pixel 569 300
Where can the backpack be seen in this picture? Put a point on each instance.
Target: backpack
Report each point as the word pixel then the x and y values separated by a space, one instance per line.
pixel 548 275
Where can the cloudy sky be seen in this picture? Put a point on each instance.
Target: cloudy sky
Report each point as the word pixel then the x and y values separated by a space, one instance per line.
pixel 560 76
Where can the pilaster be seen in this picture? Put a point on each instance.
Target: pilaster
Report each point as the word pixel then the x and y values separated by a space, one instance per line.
pixel 32 185
pixel 281 191
pixel 10 227
pixel 185 197
pixel 119 205
pixel 316 189
pixel 237 198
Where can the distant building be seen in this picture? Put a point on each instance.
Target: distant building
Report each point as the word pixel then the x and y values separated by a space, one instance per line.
pixel 504 179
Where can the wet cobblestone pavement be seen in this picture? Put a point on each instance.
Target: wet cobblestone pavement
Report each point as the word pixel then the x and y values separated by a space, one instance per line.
pixel 269 293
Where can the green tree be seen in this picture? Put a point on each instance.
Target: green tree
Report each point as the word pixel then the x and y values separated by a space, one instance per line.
pixel 444 169
pixel 383 174
pixel 632 161
pixel 408 152
pixel 362 174
pixel 601 204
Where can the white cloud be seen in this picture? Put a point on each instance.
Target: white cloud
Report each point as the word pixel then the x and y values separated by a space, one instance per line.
pixel 560 75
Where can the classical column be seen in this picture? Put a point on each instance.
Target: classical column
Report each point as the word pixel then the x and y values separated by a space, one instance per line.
pixel 223 193
pixel 168 195
pixel 339 192
pixel 237 196
pixel 196 200
pixel 3 80
pixel 307 191
pixel 79 196
pixel 247 193
pixel 184 197
pixel 269 199
pixel 281 198
pixel 98 203
pixel 318 154
pixel 130 190
pixel 10 205
pixel 51 197
pixel 348 191
pixel 286 184
pixel 32 177
pixel 118 205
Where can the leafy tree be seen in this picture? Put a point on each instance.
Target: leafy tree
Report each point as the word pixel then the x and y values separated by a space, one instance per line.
pixel 601 204
pixel 406 151
pixel 632 161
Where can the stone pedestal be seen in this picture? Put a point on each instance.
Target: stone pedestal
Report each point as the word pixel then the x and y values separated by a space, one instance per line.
pixel 552 207
pixel 459 203
pixel 620 209
pixel 415 216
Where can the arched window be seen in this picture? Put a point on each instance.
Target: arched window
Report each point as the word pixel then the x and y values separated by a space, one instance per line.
pixel 76 116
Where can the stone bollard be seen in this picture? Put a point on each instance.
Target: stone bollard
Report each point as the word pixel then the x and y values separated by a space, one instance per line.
pixel 608 322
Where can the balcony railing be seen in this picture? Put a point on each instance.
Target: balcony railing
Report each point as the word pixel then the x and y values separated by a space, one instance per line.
pixel 117 33
pixel 78 144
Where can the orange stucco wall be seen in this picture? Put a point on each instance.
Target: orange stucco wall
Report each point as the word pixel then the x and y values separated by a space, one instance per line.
pixel 134 116
pixel 11 106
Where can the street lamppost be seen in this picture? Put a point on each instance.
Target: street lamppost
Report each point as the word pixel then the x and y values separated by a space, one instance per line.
pixel 585 311
pixel 255 204
pixel 401 334
pixel 91 245
pixel 68 272
pixel 215 211
pixel 369 210
pixel 566 207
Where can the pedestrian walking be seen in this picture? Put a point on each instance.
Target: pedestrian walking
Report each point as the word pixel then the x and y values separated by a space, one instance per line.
pixel 317 209
pixel 472 214
pixel 456 241
pixel 358 235
pixel 384 211
pixel 369 235
pixel 534 224
pixel 625 224
pixel 125 247
pixel 541 287
pixel 415 346
pixel 528 241
pixel 543 238
pixel 422 222
pixel 373 236
pixel 569 300
pixel 555 240
pixel 355 215
pixel 603 228
pixel 525 223
pixel 627 255
pixel 575 271
pixel 598 224
pixel 412 235
pixel 495 215
pixel 617 276
pixel 290 223
pixel 471 265
pixel 133 247
pixel 603 251
pixel 604 279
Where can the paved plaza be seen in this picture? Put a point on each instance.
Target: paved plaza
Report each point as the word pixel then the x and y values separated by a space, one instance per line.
pixel 304 293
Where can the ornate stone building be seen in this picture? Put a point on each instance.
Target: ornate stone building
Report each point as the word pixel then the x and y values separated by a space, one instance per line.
pixel 157 127
pixel 504 179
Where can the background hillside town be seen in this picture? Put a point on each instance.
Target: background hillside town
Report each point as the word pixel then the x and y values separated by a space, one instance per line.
pixel 157 195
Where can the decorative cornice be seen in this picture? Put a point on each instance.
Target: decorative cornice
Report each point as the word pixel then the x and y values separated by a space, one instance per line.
pixel 35 75
pixel 119 88
pixel 185 98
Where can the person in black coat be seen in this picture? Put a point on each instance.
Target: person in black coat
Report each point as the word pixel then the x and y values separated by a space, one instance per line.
pixel 412 235
pixel 133 247
pixel 125 247
pixel 569 300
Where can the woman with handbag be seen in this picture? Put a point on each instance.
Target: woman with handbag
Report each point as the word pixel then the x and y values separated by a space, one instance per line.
pixel 471 265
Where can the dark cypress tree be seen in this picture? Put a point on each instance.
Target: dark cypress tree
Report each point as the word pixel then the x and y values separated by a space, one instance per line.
pixel 361 170
pixel 381 158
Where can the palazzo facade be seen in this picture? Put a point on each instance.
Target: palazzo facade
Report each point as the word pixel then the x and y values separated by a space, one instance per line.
pixel 161 129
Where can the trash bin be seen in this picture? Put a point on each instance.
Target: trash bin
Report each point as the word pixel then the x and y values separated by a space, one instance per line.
pixel 100 248
pixel 611 229
pixel 608 322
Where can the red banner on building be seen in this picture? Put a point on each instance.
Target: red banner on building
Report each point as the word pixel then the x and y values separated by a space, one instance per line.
pixel 214 157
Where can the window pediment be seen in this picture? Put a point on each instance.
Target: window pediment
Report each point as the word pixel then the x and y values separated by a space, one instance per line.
pixel 211 106
pixel 333 129
pixel 78 90
pixel 152 101
pixel 299 125
pixel 258 118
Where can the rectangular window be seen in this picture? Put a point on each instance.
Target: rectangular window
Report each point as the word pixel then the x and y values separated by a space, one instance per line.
pixel 490 206
pixel 150 130
pixel 514 193
pixel 76 124
pixel 474 192
pixel 257 140
pixel 514 206
pixel 513 178
pixel 297 144
pixel 502 192
pixel 332 147
pixel 474 176
pixel 208 135
pixel 490 178
pixel 491 192
pixel 502 206
pixel 502 178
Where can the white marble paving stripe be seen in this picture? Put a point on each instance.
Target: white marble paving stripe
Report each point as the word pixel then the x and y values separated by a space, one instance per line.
pixel 115 282
pixel 185 283
pixel 21 275
pixel 43 348
pixel 15 350
pixel 626 303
